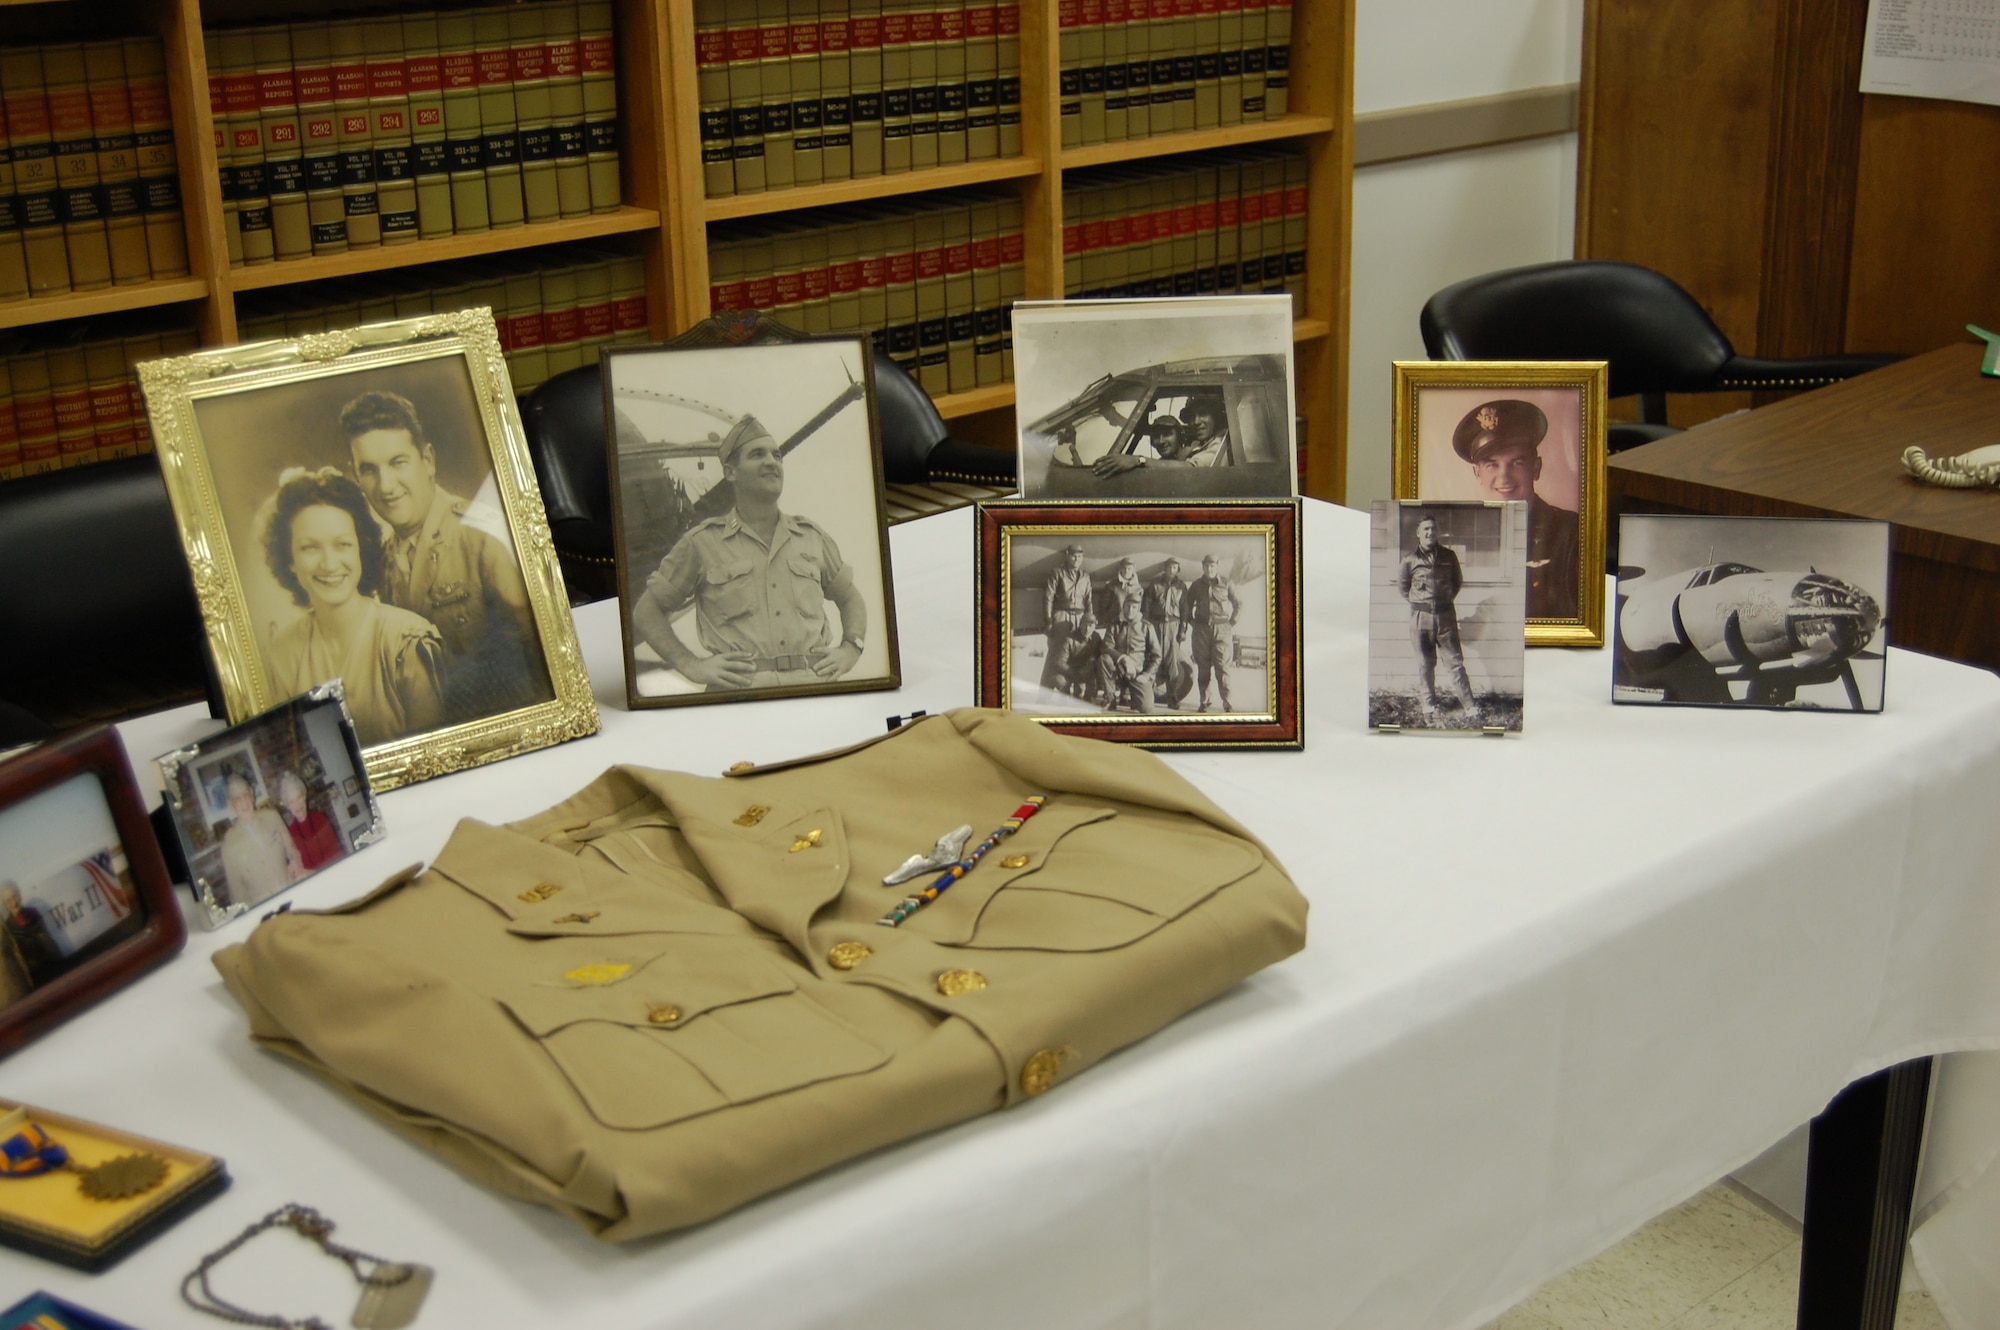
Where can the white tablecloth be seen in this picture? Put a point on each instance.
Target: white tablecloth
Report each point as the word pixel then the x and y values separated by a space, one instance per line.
pixel 1554 984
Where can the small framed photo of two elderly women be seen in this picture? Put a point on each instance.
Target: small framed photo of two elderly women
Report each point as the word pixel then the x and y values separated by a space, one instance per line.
pixel 753 554
pixel 270 802
pixel 359 505
pixel 1532 431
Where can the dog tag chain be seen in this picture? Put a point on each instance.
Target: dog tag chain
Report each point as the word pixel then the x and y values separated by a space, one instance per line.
pixel 391 1292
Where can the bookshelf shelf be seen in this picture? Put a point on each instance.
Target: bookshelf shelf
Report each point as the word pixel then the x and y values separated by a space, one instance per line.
pixel 109 300
pixel 870 187
pixel 444 249
pixel 1198 140
pixel 996 397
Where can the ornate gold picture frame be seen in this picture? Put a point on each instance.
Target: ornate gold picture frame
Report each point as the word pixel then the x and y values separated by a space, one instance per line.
pixel 1516 429
pixel 360 504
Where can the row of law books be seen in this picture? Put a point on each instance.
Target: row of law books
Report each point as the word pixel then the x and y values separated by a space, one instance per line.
pixel 1131 69
pixel 382 128
pixel 555 308
pixel 69 394
pixel 89 185
pixel 796 92
pixel 1218 223
pixel 930 283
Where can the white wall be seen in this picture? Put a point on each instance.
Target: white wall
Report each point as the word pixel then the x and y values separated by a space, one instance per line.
pixel 1422 224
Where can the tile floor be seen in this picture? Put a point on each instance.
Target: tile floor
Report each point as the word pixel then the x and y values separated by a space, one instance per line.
pixel 1720 1262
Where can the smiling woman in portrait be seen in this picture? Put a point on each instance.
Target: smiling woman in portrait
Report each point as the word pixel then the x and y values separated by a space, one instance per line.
pixel 323 546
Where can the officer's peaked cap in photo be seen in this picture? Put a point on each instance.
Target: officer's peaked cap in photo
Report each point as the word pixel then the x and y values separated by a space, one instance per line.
pixel 1491 426
pixel 740 434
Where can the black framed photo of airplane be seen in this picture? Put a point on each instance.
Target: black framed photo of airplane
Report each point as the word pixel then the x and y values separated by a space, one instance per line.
pixel 748 515
pixel 1778 612
pixel 1183 399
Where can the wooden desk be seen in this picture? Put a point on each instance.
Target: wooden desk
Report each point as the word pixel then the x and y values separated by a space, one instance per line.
pixel 1837 453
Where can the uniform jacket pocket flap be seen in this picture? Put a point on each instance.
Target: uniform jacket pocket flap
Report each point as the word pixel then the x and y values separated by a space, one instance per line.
pixel 668 991
pixel 953 916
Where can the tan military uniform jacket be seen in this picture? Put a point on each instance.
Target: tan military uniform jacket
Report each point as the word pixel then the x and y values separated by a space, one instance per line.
pixel 669 994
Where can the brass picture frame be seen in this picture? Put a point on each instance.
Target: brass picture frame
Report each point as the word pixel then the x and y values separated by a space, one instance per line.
pixel 484 664
pixel 1458 424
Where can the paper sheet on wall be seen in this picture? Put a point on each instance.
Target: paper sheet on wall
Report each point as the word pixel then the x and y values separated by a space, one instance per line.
pixel 1933 48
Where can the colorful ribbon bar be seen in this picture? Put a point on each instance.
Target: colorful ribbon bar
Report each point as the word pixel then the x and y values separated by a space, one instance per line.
pixel 28 1152
pixel 909 905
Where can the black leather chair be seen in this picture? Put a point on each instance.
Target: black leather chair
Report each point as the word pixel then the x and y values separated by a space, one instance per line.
pixel 566 439
pixel 98 611
pixel 1656 337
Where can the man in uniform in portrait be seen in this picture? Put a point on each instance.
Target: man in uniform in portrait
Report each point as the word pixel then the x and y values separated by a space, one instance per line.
pixel 1166 613
pixel 1211 614
pixel 758 579
pixel 1128 662
pixel 1429 579
pixel 1124 586
pixel 1069 614
pixel 463 580
pixel 1502 441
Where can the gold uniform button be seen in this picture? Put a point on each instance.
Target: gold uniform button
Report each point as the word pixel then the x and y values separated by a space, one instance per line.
pixel 663 1015
pixel 1015 861
pixel 742 766
pixel 1040 1072
pixel 847 955
pixel 953 982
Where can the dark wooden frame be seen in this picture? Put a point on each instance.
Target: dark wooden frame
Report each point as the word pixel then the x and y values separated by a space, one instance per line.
pixel 98 752
pixel 1285 728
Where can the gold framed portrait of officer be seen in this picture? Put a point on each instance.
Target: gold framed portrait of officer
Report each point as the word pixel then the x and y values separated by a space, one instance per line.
pixel 748 515
pixel 360 505
pixel 1528 431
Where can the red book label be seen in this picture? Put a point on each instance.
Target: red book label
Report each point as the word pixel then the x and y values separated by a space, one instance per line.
pixel 312 85
pixel 598 320
pixel 730 295
pixel 69 114
pixel 422 73
pixel 1186 8
pixel 524 331
pixel 902 269
pixel 1091 13
pixel 566 57
pixel 1069 13
pixel 429 117
pixel 805 39
pixel 239 93
pixel 846 278
pixel 594 53
pixel 930 264
pixel 389 122
pixel 110 403
pixel 37 416
pixel 1093 235
pixel 1115 12
pixel 833 36
pixel 951 25
pixel 320 128
pixel 1295 201
pixel 1204 216
pixel 790 287
pixel 1208 8
pixel 1227 212
pixel 1139 227
pixel 149 104
pixel 774 43
pixel 982 21
pixel 72 407
pixel 924 25
pixel 895 29
pixel 958 258
pixel 18 106
pixel 630 312
pixel 286 132
pixel 495 67
pixel 864 34
pixel 711 47
pixel 532 61
pixel 763 292
pixel 1117 232
pixel 246 137
pixel 385 79
pixel 874 272
pixel 1252 209
pixel 817 283
pixel 109 109
pixel 1013 247
pixel 986 253
pixel 354 126
pixel 350 82
pixel 743 43
pixel 1072 240
pixel 275 88
pixel 1010 20
pixel 460 70
pixel 562 325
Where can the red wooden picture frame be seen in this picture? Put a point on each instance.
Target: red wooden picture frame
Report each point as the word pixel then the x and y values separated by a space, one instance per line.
pixel 1145 531
pixel 96 974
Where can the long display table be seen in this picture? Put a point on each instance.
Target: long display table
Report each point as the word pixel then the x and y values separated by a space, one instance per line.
pixel 1553 985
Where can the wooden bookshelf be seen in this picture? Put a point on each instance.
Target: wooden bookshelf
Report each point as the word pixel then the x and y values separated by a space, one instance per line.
pixel 665 215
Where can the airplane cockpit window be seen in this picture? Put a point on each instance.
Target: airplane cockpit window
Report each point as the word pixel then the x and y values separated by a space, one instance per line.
pixel 1096 433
